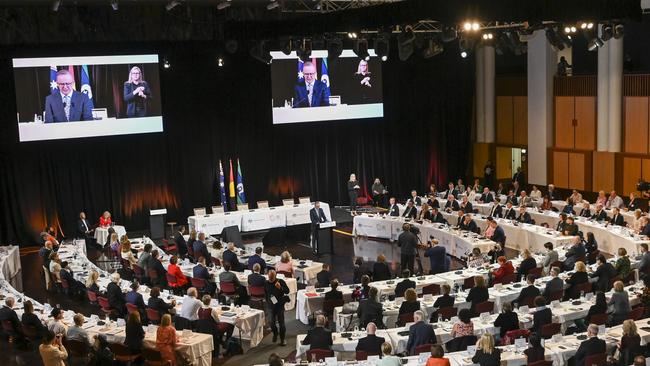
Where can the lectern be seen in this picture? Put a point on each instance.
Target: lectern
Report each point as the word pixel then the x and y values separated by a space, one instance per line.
pixel 324 239
pixel 157 223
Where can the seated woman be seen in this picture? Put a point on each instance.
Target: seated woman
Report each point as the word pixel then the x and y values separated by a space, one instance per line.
pixel 486 354
pixel 507 320
pixel 361 293
pixel 437 357
pixel 630 344
pixel 105 219
pixel 114 243
pixel 505 269
pixel 31 319
pixel 637 223
pixel 526 265
pixel 175 270
pixel 444 301
pixel 158 304
pixel 623 266
pixel 381 270
pixel 477 294
pixel 285 264
pixel 425 213
pixel 546 204
pixel 127 254
pixel 91 281
pixel 464 326
pixel 619 303
pixel 535 352
pixel 579 277
pixel 411 303
pixel 166 340
pixel 591 246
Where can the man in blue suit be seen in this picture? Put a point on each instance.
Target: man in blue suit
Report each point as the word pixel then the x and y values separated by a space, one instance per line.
pixel 66 104
pixel 419 333
pixel 437 258
pixel 310 92
pixel 230 256
pixel 201 271
pixel 257 258
pixel 317 216
pixel 200 249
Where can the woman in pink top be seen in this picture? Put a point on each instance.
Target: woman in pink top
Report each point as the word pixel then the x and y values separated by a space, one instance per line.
pixel 602 199
pixel 464 327
pixel 285 264
pixel 166 339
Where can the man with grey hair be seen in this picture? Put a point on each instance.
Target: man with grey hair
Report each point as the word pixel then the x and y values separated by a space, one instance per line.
pixel 191 305
pixel 370 344
pixel 8 313
pixel 77 332
pixel 419 333
pixel 319 337
pixel 589 347
pixel 114 294
pixel 554 285
pixel 310 92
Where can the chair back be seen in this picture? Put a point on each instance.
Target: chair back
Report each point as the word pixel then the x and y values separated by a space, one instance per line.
pixel 122 353
pixel 77 348
pixel 528 301
pixel 597 359
pixel 557 295
pixel 304 199
pixel 509 278
pixel 583 287
pixel 242 207
pixel 216 261
pixel 598 319
pixel 460 343
pixel 130 308
pixel 318 354
pixel 636 313
pixel 103 303
pixel 137 270
pixel 558 264
pixel 217 209
pixel 361 356
pixel 484 307
pixel 153 358
pixel 448 312
pixel 8 327
pixel 199 283
pixel 405 318
pixel 330 304
pixel 537 272
pixel 511 335
pixel 65 284
pixel 468 283
pixel 286 274
pixel 199 211
pixel 30 331
pixel 171 280
pixel 288 202
pixel 92 296
pixel 548 330
pixel 423 348
pixel 257 291
pixel 262 204
pixel 433 289
pixel 227 288
pixel 153 315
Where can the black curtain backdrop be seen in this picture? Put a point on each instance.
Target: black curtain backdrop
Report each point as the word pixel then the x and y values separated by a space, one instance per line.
pixel 213 113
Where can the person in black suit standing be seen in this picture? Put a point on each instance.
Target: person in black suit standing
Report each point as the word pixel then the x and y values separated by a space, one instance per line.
pixel 317 216
pixel 589 347
pixel 353 192
pixel 370 344
pixel 200 249
pixel 310 92
pixel 334 294
pixel 408 242
pixel 419 333
pixel 319 337
pixel 393 209
pixel 405 284
pixel 181 244
pixel 410 211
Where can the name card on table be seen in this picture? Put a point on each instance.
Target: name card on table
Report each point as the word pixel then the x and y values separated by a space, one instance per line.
pixel 120 322
pixel 498 286
pixel 524 309
pixel 423 357
pixel 187 333
pixel 485 317
pixel 327 224
pixel 557 338
pixel 555 303
pixel 331 361
pixel 454 320
pixel 471 350
pixel 521 343
pixel 602 329
pixel 373 359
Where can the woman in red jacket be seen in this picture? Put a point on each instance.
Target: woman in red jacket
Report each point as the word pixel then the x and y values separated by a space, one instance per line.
pixel 174 269
pixel 105 219
pixel 505 268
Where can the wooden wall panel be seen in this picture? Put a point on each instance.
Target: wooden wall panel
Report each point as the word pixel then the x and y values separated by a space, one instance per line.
pixel 603 171
pixel 504 120
pixel 645 170
pixel 481 154
pixel 563 122
pixel 636 124
pixel 631 174
pixel 585 114
pixel 504 163
pixel 577 168
pixel 561 169
pixel 520 120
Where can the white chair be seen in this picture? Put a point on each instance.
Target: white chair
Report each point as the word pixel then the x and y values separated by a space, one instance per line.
pixel 302 200
pixel 217 209
pixel 200 211
pixel 262 204
pixel 288 202
pixel 242 207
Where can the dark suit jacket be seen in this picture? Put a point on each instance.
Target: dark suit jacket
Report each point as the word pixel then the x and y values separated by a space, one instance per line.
pixel 135 298
pixel 572 254
pixel 201 272
pixel 256 279
pixel 444 301
pixel 453 192
pixel 496 211
pixel 604 273
pixel 527 292
pixel 525 218
pixel 320 95
pixel 134 336
pixel 200 250
pixel 438 218
pixel 411 212
pixel 525 267
pixel 136 106
pixel 81 108
pixel 318 338
pixel 487 359
pixel 324 278
pixel 554 285
pixel 159 305
pixel 510 214
pixel 181 245
pixel 409 307
pixel 393 211
pixel 585 212
pixel 486 198
pixel 81 229
pixel 317 218
pixel 34 321
pixel 417 201
pixel 371 344
pixel 468 208
pixel 437 258
pixel 9 314
pixel 420 333
pixel 381 272
pixel 231 258
pixel 541 317
pixel 158 266
pixel 403 286
pixel 599 216
pixel 370 311
pixel 499 235
pixel 115 296
pixel 587 348
pixel 334 295
pixel 576 279
pixel 256 259
pixel 469 227
pixel 617 220
pixel 453 205
pixel 507 321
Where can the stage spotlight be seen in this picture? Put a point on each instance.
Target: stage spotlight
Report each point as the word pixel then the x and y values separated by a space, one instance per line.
pixel 487 36
pixel 166 63
pixel 448 34
pixel 115 5
pixel 224 4
pixel 476 26
pixel 55 5
pixel 334 47
pixel 553 39
pixel 467 26
pixel 352 35
pixel 360 49
pixel 405 41
pixel 434 47
pixel 272 5
pixel 231 46
pixel 382 46
pixel 607 32
pixel 219 62
pixel 287 47
pixel 304 49
pixel 619 31
pixel 466 46
pixel 463 54
pixel 260 52
pixel 590 25
pixel 595 43
pixel 172 4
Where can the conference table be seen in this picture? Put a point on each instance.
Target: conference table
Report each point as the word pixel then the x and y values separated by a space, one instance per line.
pixel 256 219
pixel 457 243
pixel 101 233
pixel 10 267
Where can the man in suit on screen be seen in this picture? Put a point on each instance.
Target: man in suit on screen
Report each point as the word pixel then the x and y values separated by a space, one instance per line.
pixel 66 104
pixel 310 92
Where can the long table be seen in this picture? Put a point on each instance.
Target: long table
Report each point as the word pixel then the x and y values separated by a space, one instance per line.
pixel 10 267
pixel 257 219
pixel 101 233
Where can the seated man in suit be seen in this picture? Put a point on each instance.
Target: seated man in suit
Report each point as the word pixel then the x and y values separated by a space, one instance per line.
pixel 370 310
pixel 436 216
pixel 451 191
pixel 415 199
pixel 114 294
pixel 468 224
pixel 486 196
pixel 529 291
pixel 452 204
pixel 370 344
pixel 135 298
pixel 200 249
pixel 542 315
pixel 201 271
pixel 570 227
pixel 66 104
pixel 496 211
pixel 585 211
pixel 510 212
pixel 512 198
pixel 498 235
pixel 310 92
pixel 76 287
pixel 255 278
pixel 334 294
pixel 604 273
pixel 405 284
pixel 466 205
pixel 324 277
pixel 230 256
pixel 555 284
pixel 589 347
pixel 438 259
pixel 257 258
pixel 419 333
pixel 393 209
pixel 524 216
pixel 600 214
pixel 7 312
pixel 575 252
pixel 410 211
pixel 319 337
pixel 524 199
pixel 617 218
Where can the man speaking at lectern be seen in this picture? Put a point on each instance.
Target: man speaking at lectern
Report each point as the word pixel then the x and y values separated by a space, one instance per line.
pixel 317 216
pixel 310 92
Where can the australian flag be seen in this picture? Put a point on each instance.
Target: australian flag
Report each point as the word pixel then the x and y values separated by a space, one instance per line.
pixel 222 187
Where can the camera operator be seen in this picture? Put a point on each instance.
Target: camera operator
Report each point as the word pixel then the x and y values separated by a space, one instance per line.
pixel 408 241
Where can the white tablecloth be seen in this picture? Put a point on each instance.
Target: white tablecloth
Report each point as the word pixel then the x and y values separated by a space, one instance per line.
pixel 10 267
pixel 257 219
pixel 101 233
